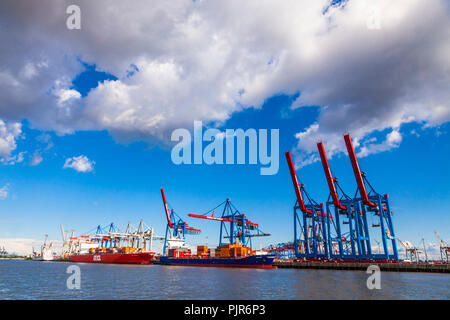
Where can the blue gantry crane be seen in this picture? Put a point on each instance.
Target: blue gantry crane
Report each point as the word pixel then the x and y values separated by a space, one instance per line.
pixel 374 203
pixel 176 228
pixel 103 238
pixel 235 227
pixel 310 221
pixel 342 230
pixel 348 229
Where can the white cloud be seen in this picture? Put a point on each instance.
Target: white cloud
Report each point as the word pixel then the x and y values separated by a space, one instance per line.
pixel 64 95
pixel 45 143
pixel 9 133
pixel 36 159
pixel 204 60
pixel 80 164
pixel 4 192
pixel 392 141
pixel 376 84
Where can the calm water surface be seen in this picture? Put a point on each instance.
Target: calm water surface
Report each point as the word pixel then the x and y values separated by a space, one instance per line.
pixel 47 280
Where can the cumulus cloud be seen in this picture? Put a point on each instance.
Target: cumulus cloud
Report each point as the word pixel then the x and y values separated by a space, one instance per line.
pixel 387 78
pixel 45 143
pixel 392 141
pixel 183 60
pixel 80 164
pixel 4 192
pixel 36 159
pixel 9 133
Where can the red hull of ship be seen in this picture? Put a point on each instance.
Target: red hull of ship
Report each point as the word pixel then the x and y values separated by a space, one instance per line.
pixel 120 258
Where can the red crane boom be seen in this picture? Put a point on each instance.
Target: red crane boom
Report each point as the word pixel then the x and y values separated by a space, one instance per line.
pixel 298 192
pixel 166 208
pixel 358 174
pixel 217 218
pixel 329 176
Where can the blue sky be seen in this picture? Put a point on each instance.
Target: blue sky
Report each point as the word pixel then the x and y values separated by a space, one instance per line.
pixel 124 185
pixel 86 114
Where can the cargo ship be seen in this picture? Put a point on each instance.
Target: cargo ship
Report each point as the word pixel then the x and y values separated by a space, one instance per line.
pixel 122 255
pixel 229 255
pixel 237 253
pixel 109 245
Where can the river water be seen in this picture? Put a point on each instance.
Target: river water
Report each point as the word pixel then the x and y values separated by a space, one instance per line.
pixel 48 280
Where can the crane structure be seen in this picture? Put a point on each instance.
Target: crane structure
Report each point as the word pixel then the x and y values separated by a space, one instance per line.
pixel 412 254
pixel 47 250
pixel 348 231
pixel 176 228
pixel 311 240
pixel 444 248
pixel 425 250
pixel 3 252
pixel 374 203
pixel 281 250
pixel 235 227
pixel 110 236
pixel 341 230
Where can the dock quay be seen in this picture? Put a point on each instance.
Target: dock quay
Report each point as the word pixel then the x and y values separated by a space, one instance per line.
pixel 392 267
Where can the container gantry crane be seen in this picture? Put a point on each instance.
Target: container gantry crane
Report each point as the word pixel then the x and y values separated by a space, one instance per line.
pixel 110 236
pixel 411 252
pixel 444 249
pixel 347 227
pixel 3 251
pixel 425 250
pixel 282 250
pixel 176 228
pixel 375 203
pixel 240 229
pixel 311 240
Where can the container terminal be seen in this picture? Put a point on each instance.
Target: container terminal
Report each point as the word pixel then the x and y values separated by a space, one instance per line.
pixel 339 233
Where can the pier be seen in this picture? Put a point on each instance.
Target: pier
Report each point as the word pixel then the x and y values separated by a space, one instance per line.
pixel 391 267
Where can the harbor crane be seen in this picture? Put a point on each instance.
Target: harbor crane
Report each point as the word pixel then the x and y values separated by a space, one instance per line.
pixel 240 229
pixel 176 228
pixel 411 252
pixel 341 231
pixel 311 240
pixel 282 250
pixel 3 251
pixel 110 236
pixel 425 250
pixel 350 232
pixel 375 203
pixel 444 249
